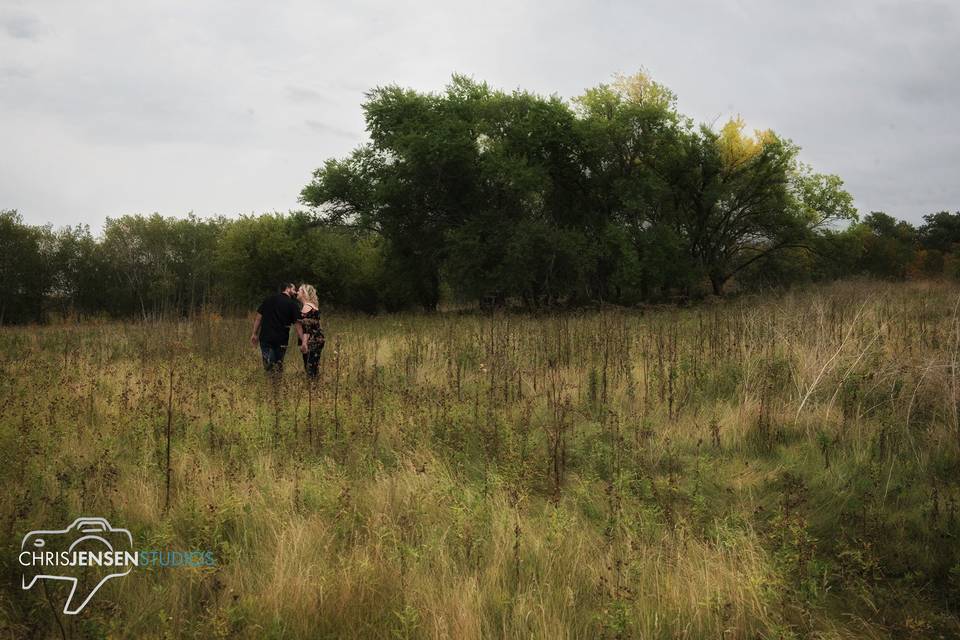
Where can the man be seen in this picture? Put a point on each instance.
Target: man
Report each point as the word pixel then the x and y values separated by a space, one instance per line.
pixel 271 327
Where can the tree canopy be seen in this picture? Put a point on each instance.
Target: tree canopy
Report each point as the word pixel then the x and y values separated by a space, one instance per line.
pixel 614 196
pixel 475 195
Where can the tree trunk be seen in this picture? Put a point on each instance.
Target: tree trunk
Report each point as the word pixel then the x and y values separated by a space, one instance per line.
pixel 717 281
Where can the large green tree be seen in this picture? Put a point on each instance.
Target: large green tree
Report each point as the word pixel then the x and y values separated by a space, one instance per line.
pixel 26 268
pixel 630 135
pixel 461 183
pixel 411 183
pixel 739 198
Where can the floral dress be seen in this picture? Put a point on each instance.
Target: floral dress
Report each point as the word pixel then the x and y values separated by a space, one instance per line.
pixel 311 327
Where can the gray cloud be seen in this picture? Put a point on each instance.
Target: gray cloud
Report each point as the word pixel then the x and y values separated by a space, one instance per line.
pixel 304 94
pixel 323 127
pixel 13 73
pixel 21 26
pixel 227 107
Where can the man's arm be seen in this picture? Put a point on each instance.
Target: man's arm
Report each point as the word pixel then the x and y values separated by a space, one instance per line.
pixel 255 336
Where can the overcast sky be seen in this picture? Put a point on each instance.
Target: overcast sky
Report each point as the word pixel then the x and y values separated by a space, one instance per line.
pixel 226 107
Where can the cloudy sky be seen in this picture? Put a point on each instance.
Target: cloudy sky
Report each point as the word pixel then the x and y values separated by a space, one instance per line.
pixel 225 107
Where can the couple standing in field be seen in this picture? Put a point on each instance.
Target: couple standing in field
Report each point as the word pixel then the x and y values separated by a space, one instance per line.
pixel 297 306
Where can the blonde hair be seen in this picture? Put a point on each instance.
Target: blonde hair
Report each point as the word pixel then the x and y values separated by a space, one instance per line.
pixel 310 294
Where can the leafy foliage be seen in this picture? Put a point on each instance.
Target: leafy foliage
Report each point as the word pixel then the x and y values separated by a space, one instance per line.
pixel 475 195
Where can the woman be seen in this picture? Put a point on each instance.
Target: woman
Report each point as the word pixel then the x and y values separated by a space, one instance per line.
pixel 312 333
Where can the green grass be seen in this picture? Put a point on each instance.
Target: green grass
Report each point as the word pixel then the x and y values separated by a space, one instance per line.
pixel 762 468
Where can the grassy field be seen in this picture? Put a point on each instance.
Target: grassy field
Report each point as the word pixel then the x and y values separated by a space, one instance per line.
pixel 782 467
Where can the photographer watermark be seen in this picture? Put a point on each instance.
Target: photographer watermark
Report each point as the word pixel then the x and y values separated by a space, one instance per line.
pixel 88 553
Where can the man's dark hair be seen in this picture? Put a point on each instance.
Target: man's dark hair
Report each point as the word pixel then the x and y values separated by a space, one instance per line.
pixel 284 285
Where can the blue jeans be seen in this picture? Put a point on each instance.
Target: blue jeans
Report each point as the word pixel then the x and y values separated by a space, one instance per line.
pixel 273 356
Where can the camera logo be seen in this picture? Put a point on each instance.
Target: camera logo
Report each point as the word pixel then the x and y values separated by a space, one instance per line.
pixel 87 553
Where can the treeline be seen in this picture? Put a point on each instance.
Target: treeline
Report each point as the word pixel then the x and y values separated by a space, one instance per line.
pixel 479 196
pixel 152 266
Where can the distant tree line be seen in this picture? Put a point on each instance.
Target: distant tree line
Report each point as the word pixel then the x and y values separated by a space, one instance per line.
pixel 153 266
pixel 477 196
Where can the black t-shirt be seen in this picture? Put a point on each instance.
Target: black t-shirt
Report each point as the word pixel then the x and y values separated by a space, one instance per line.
pixel 279 312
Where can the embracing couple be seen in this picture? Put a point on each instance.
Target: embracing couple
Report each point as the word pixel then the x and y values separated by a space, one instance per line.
pixel 297 306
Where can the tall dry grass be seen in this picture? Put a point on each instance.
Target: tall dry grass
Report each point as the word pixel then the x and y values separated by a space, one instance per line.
pixel 765 467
